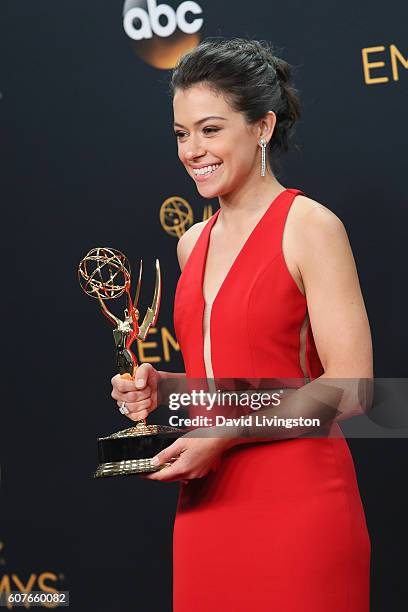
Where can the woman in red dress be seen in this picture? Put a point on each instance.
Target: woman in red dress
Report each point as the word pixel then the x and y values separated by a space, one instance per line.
pixel 268 289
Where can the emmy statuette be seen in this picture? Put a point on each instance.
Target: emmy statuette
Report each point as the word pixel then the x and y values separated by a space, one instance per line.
pixel 104 273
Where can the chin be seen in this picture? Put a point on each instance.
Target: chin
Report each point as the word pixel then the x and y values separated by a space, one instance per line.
pixel 208 192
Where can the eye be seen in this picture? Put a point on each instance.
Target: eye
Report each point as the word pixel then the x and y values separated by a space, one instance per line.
pixel 179 134
pixel 209 130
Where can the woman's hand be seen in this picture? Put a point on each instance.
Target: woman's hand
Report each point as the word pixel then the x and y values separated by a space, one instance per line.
pixel 190 458
pixel 140 395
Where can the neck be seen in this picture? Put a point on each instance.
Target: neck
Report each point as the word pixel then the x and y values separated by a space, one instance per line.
pixel 250 199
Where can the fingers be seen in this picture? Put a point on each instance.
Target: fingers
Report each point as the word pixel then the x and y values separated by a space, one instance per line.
pixel 144 375
pixel 140 395
pixel 169 473
pixel 137 411
pixel 138 403
pixel 131 396
pixel 123 385
pixel 169 453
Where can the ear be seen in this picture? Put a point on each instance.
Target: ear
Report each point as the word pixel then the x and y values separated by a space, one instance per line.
pixel 266 126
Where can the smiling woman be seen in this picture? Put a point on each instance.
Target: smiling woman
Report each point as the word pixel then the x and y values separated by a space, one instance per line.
pixel 268 290
pixel 214 148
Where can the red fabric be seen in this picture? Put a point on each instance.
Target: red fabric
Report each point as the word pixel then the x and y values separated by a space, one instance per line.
pixel 279 526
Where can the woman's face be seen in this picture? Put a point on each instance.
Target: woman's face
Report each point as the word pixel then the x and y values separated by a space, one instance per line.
pixel 216 145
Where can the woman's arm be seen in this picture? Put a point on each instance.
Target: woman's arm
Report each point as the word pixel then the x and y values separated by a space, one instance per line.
pixel 335 303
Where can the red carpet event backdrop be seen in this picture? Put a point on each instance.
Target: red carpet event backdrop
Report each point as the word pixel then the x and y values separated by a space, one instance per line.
pixel 89 158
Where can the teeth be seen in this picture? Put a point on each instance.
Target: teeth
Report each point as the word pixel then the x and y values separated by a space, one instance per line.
pixel 206 169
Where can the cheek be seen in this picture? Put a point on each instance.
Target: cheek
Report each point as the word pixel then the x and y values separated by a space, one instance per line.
pixel 180 153
pixel 238 151
pixel 243 156
pixel 236 158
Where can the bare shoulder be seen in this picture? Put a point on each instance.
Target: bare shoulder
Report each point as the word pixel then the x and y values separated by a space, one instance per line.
pixel 311 229
pixel 303 206
pixel 187 242
pixel 312 223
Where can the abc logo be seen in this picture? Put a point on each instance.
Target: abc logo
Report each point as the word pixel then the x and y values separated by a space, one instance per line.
pixel 161 33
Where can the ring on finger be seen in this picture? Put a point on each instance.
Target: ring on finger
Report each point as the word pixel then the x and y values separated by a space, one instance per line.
pixel 123 408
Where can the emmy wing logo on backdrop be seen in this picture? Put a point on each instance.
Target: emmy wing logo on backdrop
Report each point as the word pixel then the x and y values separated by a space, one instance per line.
pixel 162 33
pixel 176 216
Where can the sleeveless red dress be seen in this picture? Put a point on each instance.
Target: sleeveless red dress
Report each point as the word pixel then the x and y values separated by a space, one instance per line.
pixel 279 526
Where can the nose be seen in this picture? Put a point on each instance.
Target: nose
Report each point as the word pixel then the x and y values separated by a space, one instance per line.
pixel 194 149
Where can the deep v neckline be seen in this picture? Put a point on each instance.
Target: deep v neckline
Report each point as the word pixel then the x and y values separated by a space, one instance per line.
pixel 239 255
pixel 207 308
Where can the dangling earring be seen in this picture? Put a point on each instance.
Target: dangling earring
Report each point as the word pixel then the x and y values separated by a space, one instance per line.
pixel 263 157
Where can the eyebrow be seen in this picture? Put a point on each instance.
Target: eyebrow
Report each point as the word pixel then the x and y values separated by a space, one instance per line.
pixel 202 120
